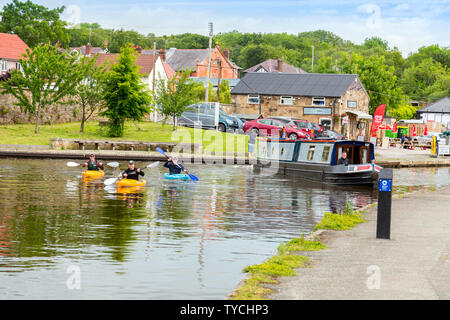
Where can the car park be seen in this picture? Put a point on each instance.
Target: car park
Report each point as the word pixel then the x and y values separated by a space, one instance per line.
pixel 272 126
pixel 203 115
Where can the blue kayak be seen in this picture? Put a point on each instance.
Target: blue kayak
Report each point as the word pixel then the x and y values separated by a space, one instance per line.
pixel 176 176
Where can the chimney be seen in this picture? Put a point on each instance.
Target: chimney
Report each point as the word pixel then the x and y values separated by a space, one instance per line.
pixel 162 55
pixel 105 44
pixel 88 49
pixel 138 49
pixel 280 65
pixel 226 53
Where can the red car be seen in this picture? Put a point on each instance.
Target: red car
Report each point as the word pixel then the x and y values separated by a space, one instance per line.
pixel 272 127
pixel 305 126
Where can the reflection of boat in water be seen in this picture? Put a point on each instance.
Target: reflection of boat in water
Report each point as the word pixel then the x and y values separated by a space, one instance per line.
pixel 317 160
pixel 92 174
pixel 128 190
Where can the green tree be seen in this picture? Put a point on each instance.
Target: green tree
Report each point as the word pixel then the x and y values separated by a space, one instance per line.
pixel 404 111
pixel 225 91
pixel 378 79
pixel 125 96
pixel 174 96
pixel 254 54
pixel 48 77
pixel 89 92
pixel 34 24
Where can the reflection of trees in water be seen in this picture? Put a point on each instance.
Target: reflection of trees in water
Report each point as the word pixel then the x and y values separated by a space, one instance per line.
pixel 46 217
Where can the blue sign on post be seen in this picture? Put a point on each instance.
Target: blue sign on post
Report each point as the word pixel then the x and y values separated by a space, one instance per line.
pixel 385 185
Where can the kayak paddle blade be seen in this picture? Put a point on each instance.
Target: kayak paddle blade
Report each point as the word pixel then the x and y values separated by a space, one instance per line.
pixel 153 165
pixel 113 164
pixel 161 151
pixel 110 181
pixel 72 164
pixel 193 177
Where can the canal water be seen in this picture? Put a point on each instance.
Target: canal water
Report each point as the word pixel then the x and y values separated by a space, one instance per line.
pixel 65 238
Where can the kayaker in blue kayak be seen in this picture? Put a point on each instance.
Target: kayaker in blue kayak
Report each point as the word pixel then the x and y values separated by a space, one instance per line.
pixel 93 164
pixel 132 172
pixel 173 166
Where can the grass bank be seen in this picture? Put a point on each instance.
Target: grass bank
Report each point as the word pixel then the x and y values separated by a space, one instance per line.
pixel 288 258
pixel 140 131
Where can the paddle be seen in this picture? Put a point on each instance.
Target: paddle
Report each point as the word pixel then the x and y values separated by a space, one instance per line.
pixel 74 164
pixel 113 180
pixel 164 154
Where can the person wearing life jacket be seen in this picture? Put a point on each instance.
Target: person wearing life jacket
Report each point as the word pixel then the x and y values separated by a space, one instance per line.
pixel 132 172
pixel 93 164
pixel 173 166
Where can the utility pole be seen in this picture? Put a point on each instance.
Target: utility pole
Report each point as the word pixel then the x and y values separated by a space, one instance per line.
pixel 219 66
pixel 312 58
pixel 210 27
pixel 155 115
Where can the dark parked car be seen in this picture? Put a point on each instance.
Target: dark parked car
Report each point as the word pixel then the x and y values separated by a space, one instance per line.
pixel 330 134
pixel 203 114
pixel 273 126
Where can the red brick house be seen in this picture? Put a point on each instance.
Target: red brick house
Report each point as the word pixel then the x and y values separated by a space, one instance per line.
pixel 11 50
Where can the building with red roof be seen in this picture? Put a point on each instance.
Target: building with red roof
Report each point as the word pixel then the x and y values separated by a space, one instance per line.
pixel 11 50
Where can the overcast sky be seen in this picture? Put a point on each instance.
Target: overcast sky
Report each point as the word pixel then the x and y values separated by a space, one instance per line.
pixel 405 24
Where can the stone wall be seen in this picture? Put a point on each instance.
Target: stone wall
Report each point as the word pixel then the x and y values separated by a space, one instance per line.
pixel 12 114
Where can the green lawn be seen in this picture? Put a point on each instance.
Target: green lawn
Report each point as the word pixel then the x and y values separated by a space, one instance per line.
pixel 140 131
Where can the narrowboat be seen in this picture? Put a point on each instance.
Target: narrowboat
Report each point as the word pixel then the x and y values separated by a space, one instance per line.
pixel 316 160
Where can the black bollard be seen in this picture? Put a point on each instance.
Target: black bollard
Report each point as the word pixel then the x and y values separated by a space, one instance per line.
pixel 384 204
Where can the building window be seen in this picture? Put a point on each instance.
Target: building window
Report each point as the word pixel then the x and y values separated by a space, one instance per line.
pixel 289 100
pixel 4 62
pixel 253 99
pixel 351 104
pixel 18 66
pixel 318 101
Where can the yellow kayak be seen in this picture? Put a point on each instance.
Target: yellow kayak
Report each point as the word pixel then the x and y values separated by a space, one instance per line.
pixel 93 174
pixel 131 183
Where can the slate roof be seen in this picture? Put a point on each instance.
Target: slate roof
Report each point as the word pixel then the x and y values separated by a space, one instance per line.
pixel 441 106
pixel 11 46
pixel 290 84
pixel 271 65
pixel 182 59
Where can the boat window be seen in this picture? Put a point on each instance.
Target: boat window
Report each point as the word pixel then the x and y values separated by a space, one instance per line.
pixel 326 153
pixel 365 157
pixel 311 152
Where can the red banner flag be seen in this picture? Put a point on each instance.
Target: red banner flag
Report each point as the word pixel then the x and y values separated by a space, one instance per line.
pixel 414 130
pixel 377 119
pixel 394 127
pixel 425 133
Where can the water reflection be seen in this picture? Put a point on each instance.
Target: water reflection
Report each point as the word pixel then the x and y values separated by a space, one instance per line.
pixel 170 239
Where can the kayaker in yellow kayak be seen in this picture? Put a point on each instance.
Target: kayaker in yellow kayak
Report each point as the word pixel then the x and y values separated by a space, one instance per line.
pixel 173 165
pixel 92 164
pixel 132 172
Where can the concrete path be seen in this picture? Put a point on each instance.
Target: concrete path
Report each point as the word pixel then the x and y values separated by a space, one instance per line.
pixel 414 264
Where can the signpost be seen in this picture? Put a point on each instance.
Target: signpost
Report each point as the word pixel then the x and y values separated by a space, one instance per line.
pixel 384 204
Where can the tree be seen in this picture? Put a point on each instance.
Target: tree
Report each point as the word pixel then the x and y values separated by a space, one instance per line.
pixel 34 24
pixel 378 79
pixel 49 76
pixel 125 96
pixel 225 91
pixel 405 111
pixel 174 97
pixel 89 91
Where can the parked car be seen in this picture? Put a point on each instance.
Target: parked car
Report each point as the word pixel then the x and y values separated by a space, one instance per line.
pixel 330 134
pixel 203 114
pixel 272 126
pixel 305 126
pixel 318 131
pixel 427 138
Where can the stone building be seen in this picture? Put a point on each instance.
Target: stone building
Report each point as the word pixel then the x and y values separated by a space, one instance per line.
pixel 335 101
pixel 273 65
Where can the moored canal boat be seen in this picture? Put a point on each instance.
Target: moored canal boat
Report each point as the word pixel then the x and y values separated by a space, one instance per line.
pixel 317 160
